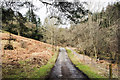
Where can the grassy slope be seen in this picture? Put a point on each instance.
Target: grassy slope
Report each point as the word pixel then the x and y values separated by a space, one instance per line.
pixel 85 68
pixel 34 72
pixel 27 67
pixel 43 71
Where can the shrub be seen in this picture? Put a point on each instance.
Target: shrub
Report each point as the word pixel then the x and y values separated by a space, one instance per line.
pixel 23 44
pixel 8 47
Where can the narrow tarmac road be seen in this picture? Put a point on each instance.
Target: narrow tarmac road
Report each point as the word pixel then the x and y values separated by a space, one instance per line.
pixel 64 69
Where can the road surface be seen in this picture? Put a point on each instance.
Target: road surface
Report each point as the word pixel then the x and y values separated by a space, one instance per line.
pixel 64 69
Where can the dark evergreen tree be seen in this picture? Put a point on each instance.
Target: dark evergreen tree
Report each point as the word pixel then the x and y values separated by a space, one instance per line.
pixel 31 17
pixel 21 20
pixel 38 22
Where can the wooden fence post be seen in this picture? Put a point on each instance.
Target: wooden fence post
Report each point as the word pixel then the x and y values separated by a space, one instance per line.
pixel 110 71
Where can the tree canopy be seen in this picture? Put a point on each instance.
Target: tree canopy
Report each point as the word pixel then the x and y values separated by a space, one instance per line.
pixel 72 11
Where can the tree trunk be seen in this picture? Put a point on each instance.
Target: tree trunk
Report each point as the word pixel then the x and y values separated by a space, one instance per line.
pixel 18 32
pixel 95 52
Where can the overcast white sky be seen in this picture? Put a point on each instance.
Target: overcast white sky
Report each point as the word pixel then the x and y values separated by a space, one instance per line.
pixel 94 5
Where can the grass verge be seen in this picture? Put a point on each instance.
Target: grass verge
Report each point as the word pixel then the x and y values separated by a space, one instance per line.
pixel 25 70
pixel 44 70
pixel 92 74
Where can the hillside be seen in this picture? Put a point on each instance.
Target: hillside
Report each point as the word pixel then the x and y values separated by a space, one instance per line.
pixel 60 39
pixel 32 52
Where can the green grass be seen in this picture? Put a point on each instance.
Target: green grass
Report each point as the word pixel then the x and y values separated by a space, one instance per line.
pixel 85 68
pixel 26 71
pixel 43 71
